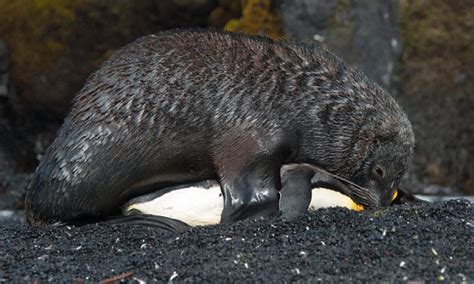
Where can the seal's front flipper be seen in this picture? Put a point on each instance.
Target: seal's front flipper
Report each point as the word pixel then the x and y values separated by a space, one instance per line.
pixel 251 191
pixel 158 223
pixel 295 194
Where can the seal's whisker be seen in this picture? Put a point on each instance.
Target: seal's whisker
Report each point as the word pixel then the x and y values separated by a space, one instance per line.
pixel 362 194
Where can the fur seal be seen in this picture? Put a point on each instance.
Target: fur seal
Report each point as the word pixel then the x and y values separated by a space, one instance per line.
pixel 191 105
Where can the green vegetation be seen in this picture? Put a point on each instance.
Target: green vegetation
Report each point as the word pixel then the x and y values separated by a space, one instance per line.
pixel 52 39
pixel 258 18
pixel 36 31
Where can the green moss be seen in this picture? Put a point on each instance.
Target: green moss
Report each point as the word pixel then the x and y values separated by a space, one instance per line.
pixel 258 18
pixel 36 31
pixel 52 39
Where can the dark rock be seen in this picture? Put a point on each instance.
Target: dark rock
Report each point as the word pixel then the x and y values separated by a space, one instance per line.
pixel 444 133
pixel 7 161
pixel 4 68
pixel 363 32
pixel 16 153
pixel 14 188
pixel 224 12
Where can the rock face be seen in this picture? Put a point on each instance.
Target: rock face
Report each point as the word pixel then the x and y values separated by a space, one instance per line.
pixel 4 66
pixel 16 154
pixel 436 90
pixel 7 164
pixel 362 32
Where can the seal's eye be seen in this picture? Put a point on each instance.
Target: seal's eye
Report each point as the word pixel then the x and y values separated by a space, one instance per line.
pixel 378 171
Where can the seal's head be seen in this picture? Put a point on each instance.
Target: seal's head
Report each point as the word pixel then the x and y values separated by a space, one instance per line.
pixel 377 179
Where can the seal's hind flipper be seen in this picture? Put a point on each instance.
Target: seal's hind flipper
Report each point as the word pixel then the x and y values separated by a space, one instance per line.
pixel 151 221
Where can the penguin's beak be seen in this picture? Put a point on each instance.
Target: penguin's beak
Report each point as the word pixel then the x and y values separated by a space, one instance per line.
pixel 394 195
pixel 401 196
pixel 356 207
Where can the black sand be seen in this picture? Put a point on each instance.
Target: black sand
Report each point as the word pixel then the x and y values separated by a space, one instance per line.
pixel 417 242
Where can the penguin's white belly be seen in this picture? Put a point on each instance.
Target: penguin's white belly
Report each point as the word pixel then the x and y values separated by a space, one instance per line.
pixel 195 206
pixel 326 198
pixel 199 206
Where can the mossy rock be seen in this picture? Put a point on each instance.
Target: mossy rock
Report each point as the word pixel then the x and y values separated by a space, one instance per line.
pixel 259 17
pixel 56 44
pixel 225 11
pixel 439 42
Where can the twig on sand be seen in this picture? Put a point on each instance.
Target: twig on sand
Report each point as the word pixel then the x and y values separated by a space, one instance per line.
pixel 116 278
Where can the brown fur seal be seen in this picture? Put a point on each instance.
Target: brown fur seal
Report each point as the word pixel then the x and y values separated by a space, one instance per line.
pixel 190 105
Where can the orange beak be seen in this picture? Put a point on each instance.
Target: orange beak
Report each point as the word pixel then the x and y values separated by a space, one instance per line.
pixel 394 195
pixel 356 207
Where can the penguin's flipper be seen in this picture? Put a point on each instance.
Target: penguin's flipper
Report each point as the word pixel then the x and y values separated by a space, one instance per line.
pixel 321 179
pixel 158 223
pixel 295 193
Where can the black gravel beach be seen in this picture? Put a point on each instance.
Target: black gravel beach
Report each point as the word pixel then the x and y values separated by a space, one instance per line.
pixel 430 242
